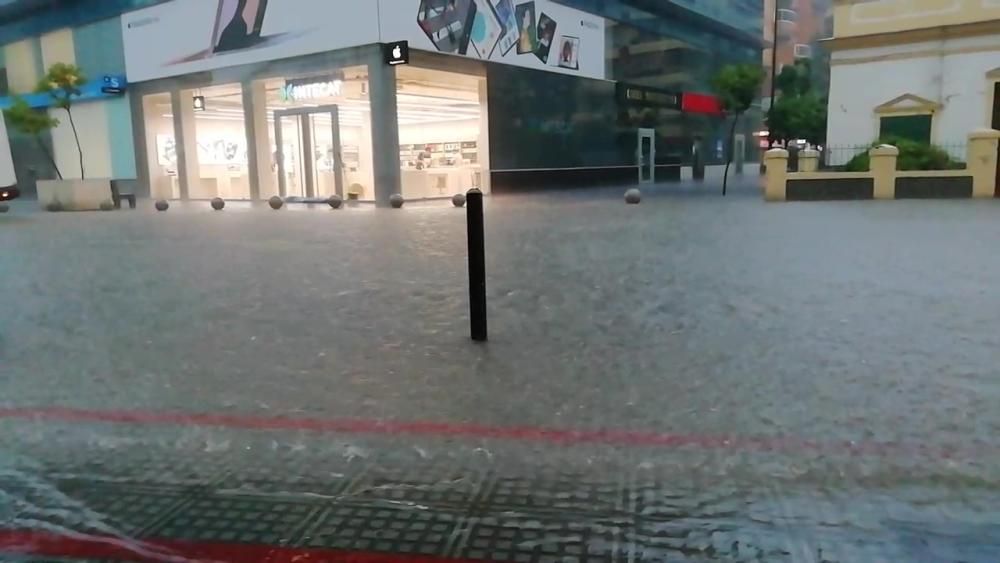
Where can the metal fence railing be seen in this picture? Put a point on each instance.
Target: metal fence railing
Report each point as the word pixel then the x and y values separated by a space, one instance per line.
pixel 957 151
pixel 835 157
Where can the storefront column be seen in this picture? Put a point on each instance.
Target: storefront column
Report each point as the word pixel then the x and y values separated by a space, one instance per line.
pixel 186 139
pixel 385 130
pixel 258 140
pixel 483 143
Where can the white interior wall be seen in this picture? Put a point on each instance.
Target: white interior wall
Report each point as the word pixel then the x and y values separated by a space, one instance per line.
pixel 442 132
pixel 228 181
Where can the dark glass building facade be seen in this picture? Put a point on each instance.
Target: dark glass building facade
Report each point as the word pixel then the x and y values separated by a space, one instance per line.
pixel 670 46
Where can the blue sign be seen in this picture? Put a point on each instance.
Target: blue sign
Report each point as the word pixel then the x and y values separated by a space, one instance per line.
pixel 110 86
pixel 113 84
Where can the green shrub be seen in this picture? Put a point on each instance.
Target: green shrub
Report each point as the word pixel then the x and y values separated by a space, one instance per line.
pixel 913 155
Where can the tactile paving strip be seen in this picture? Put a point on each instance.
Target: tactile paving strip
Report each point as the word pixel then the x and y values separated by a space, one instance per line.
pixel 214 518
pixel 543 539
pixel 490 511
pixel 384 529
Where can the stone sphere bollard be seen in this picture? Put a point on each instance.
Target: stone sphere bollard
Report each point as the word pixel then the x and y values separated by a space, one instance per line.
pixel 54 206
pixel 633 196
pixel 4 208
pixel 107 205
pixel 335 201
pixel 162 205
pixel 396 201
pixel 276 202
pixel 458 200
pixel 218 203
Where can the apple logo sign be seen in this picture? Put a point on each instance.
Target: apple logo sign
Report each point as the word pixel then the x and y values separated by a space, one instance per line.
pixel 397 53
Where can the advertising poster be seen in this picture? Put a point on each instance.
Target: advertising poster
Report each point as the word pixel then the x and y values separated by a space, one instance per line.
pixel 186 36
pixel 508 23
pixel 189 36
pixel 546 34
pixel 539 34
pixel 569 52
pixel 527 31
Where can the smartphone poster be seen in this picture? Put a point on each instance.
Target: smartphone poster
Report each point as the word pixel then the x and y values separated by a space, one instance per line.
pixel 508 22
pixel 448 23
pixel 546 35
pixel 569 52
pixel 527 39
pixel 486 29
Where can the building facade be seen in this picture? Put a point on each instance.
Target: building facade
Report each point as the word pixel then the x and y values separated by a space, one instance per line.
pixel 244 99
pixel 801 25
pixel 928 70
pixel 34 34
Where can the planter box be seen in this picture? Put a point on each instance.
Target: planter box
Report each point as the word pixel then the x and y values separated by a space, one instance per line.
pixel 75 195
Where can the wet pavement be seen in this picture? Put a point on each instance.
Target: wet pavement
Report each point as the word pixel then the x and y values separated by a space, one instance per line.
pixel 690 379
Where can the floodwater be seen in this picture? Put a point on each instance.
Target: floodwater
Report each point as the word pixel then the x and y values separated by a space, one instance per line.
pixel 693 378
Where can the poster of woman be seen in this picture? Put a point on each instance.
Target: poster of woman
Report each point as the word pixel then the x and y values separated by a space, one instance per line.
pixel 527 38
pixel 569 53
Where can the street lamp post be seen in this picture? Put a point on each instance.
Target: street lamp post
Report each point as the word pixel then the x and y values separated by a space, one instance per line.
pixel 774 73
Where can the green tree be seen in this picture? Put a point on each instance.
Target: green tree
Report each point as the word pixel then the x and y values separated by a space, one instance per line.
pixel 34 123
pixel 63 82
pixel 737 86
pixel 794 80
pixel 798 117
pixel 799 112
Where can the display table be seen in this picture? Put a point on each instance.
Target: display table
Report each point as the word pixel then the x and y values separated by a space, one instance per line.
pixel 438 182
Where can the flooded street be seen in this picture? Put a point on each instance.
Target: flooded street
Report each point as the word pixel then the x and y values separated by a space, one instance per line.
pixel 690 379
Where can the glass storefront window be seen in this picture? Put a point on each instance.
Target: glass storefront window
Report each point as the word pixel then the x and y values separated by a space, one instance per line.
pixel 220 134
pixel 161 147
pixel 443 132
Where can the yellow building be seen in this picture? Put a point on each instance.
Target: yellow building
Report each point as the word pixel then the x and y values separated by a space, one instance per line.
pixel 922 69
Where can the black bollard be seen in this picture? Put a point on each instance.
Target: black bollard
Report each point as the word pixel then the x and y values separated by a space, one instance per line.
pixel 477 265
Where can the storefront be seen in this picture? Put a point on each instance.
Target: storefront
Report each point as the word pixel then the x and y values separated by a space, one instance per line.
pixel 310 135
pixel 258 100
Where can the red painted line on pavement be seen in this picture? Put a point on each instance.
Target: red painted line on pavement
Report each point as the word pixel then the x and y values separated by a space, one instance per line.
pixel 565 437
pixel 46 544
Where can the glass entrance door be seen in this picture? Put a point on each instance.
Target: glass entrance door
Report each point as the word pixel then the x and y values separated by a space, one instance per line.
pixel 309 159
pixel 646 155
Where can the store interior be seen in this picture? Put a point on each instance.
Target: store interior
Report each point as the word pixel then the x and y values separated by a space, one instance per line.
pixel 442 136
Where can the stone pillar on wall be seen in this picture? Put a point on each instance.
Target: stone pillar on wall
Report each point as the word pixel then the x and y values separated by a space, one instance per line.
pixel 808 160
pixel 776 161
pixel 883 169
pixel 385 129
pixel 186 141
pixel 982 161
